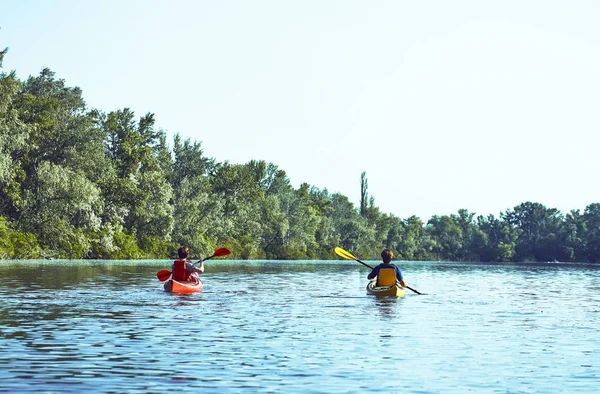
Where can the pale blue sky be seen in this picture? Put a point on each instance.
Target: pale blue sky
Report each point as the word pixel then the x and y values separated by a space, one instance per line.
pixel 445 104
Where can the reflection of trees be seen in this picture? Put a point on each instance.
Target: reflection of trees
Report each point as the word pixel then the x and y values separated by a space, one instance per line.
pixel 36 296
pixel 61 275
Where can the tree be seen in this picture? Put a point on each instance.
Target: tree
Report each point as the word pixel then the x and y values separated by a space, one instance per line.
pixel 493 239
pixel 355 233
pixel 364 196
pixel 464 220
pixel 299 240
pixel 415 243
pixel 447 234
pixel 133 146
pixel 17 245
pixel 539 231
pixel 199 213
pixel 236 185
pixel 13 145
pixel 64 208
pixel 269 178
pixel 275 227
pixel 326 235
pixel 575 236
pixel 60 199
pixel 591 221
pixel 189 162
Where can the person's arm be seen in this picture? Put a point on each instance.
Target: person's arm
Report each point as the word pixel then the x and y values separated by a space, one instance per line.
pixel 399 277
pixel 199 269
pixel 373 273
pixel 191 267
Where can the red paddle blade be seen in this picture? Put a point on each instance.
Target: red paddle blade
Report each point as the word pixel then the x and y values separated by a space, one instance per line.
pixel 163 275
pixel 222 252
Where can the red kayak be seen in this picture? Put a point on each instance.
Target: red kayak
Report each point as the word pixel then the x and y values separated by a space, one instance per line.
pixel 174 286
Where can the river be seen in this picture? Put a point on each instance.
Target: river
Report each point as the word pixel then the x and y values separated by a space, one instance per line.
pixel 299 327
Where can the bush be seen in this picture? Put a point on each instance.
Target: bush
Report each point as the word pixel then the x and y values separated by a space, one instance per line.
pixel 17 245
pixel 127 247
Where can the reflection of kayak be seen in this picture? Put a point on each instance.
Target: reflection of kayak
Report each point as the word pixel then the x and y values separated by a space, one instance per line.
pixel 390 291
pixel 174 286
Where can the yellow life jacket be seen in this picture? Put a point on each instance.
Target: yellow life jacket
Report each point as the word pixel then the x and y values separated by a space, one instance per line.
pixel 386 277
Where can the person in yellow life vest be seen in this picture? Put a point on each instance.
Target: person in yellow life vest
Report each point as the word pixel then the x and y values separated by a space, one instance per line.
pixel 184 270
pixel 386 256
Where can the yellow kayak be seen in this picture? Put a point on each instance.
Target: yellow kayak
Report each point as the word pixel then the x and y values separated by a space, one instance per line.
pixel 385 291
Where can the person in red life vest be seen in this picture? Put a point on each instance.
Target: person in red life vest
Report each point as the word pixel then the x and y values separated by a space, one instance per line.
pixel 184 270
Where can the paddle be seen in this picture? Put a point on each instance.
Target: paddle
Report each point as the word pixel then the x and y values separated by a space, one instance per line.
pixel 164 274
pixel 347 255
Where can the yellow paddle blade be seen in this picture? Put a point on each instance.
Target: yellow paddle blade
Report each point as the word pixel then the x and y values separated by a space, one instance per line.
pixel 344 253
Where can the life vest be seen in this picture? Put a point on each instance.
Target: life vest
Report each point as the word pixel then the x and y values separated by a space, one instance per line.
pixel 386 277
pixel 180 272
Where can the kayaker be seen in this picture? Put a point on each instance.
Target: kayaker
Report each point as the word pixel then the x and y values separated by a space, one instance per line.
pixel 386 256
pixel 183 269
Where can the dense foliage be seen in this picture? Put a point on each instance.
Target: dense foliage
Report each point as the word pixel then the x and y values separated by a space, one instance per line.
pixel 81 183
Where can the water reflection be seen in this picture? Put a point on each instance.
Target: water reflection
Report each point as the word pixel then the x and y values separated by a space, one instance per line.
pixel 386 307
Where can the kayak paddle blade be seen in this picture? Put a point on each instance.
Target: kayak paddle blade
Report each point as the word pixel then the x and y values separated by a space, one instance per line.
pixel 344 253
pixel 163 275
pixel 221 252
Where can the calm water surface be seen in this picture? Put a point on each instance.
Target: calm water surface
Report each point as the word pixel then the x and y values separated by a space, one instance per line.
pixel 302 326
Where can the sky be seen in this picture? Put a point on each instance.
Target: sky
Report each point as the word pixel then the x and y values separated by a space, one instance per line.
pixel 445 105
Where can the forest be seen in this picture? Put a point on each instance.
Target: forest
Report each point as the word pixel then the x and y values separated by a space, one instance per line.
pixel 78 182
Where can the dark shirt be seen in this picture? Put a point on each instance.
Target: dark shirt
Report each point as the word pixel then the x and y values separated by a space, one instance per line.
pixel 375 270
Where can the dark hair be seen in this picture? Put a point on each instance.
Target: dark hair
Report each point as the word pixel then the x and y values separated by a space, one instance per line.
pixel 183 251
pixel 387 255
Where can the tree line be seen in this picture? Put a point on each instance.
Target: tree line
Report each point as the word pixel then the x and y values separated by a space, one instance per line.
pixel 77 182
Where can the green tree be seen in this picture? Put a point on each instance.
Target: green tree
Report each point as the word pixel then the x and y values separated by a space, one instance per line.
pixel 236 185
pixel 415 243
pixel 60 201
pixel 464 220
pixel 574 236
pixel 364 195
pixel 493 239
pixel 199 216
pixel 269 178
pixel 591 221
pixel 355 233
pixel 139 191
pixel 63 209
pixel 17 245
pixel 13 144
pixel 326 235
pixel 299 241
pixel 189 161
pixel 540 230
pixel 448 237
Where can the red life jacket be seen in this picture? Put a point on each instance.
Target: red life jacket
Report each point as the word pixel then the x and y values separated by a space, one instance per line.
pixel 180 272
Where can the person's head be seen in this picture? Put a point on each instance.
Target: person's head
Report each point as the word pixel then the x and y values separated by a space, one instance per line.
pixel 183 251
pixel 386 255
